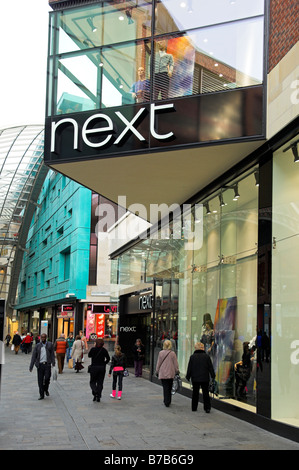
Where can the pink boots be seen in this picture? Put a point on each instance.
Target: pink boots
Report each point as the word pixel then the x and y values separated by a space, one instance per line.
pixel 113 394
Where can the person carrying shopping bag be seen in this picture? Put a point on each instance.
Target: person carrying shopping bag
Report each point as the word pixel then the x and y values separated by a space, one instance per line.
pixel 118 365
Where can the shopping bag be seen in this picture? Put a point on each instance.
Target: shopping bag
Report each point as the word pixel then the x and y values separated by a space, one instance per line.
pixel 12 347
pixel 55 373
pixel 176 384
pixel 71 364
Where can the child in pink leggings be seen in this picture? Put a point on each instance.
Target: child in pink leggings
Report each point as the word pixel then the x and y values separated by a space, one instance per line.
pixel 117 367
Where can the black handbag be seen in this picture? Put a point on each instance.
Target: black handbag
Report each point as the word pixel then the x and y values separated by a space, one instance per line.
pixel 213 387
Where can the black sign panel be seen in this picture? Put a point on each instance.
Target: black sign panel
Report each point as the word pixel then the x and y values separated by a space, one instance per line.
pixel 193 120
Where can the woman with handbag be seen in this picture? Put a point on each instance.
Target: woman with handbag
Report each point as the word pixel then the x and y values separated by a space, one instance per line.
pixel 167 367
pixel 99 358
pixel 118 365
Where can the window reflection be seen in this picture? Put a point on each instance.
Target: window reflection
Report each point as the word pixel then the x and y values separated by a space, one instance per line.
pixel 102 24
pixel 209 59
pixel 178 15
pixel 126 71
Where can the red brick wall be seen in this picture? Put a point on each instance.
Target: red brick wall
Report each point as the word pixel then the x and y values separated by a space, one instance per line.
pixel 283 30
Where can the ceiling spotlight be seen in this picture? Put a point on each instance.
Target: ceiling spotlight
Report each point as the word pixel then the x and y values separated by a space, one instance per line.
pixel 129 15
pixel 92 26
pixel 237 195
pixel 294 149
pixel 295 153
pixel 207 207
pixel 221 201
pixel 118 81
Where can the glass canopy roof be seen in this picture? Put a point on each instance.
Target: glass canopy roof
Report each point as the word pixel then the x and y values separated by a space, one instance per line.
pixel 22 172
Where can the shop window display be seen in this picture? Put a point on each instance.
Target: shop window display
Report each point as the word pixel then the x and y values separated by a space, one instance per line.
pixel 206 287
pixel 285 272
pixel 107 55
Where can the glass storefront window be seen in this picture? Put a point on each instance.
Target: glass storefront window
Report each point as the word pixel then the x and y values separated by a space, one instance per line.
pixel 178 15
pixel 100 55
pixel 103 23
pixel 77 83
pixel 206 284
pixel 285 296
pixel 126 71
pixel 210 59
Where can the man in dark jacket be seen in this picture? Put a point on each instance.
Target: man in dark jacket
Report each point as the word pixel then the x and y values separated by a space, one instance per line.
pixel 199 370
pixel 16 341
pixel 43 357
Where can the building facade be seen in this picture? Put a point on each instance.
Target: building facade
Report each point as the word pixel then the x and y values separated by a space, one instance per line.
pixel 193 121
pixel 55 267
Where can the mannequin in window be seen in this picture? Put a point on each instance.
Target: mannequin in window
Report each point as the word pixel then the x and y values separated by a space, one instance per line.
pixel 141 89
pixel 163 71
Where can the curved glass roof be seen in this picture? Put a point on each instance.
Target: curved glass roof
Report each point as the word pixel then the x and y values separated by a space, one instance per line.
pixel 22 173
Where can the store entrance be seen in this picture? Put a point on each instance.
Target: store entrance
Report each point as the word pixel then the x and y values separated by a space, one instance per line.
pixel 131 328
pixel 66 326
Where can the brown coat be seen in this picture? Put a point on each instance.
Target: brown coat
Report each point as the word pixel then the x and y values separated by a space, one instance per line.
pixel 167 364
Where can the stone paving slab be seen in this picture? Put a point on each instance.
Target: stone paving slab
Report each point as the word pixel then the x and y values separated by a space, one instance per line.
pixel 69 420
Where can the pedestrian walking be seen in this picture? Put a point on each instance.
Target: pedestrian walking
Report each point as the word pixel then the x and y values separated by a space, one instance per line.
pixel 42 358
pixel 27 343
pixel 16 341
pixel 7 339
pixel 200 369
pixel 77 353
pixel 117 367
pixel 70 342
pixel 167 367
pixel 99 358
pixel 138 352
pixel 60 347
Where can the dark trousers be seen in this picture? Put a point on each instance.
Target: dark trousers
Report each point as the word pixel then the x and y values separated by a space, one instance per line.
pixel 138 368
pixel 161 85
pixel 119 376
pixel 43 378
pixel 60 361
pixel 167 386
pixel 205 394
pixel 97 375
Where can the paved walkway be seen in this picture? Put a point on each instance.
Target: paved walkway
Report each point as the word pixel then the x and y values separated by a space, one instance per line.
pixel 69 420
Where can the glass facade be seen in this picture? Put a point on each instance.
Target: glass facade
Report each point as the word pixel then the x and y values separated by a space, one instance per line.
pixel 204 268
pixel 115 53
pixel 285 274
